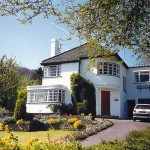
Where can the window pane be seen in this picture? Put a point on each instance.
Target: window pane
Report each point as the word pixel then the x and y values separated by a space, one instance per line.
pixel 118 70
pixel 115 70
pixel 58 70
pixel 105 68
pixel 144 77
pixel 45 71
pixel 136 75
pixel 41 97
pixel 100 71
pixel 52 71
pixel 110 69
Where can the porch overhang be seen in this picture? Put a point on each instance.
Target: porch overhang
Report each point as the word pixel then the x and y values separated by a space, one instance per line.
pixel 42 87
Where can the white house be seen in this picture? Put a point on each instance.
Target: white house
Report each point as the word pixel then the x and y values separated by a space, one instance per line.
pixel 118 87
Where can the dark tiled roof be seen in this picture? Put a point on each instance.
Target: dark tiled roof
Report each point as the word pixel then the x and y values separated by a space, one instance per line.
pixel 72 55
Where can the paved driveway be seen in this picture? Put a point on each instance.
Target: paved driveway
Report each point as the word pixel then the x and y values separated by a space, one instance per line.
pixel 118 131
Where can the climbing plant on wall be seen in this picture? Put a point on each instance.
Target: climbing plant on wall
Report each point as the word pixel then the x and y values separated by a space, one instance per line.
pixel 83 94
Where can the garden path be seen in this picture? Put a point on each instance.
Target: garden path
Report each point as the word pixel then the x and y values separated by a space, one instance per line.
pixel 119 130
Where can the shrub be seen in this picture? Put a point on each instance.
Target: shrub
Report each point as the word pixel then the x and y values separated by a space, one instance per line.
pixel 72 120
pixel 82 89
pixel 65 125
pixel 37 125
pixel 20 106
pixel 82 107
pixel 3 110
pixel 138 140
pixel 54 123
pixel 19 110
pixel 78 125
pixel 54 107
pixel 67 109
pixel 8 120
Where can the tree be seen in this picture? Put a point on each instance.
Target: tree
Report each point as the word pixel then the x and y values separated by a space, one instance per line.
pixel 145 59
pixel 9 82
pixel 106 25
pixel 38 75
pixel 26 80
pixel 20 107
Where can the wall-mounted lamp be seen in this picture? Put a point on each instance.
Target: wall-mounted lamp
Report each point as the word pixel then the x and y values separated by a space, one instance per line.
pixel 116 99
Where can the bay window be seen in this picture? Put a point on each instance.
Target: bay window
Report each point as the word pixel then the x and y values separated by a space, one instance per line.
pixel 52 95
pixel 109 68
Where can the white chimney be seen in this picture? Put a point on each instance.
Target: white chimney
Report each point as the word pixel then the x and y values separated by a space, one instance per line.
pixel 54 47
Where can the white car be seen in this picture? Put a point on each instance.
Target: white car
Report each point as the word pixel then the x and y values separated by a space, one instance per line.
pixel 141 111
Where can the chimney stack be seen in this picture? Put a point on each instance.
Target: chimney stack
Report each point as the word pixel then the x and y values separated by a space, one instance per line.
pixel 55 50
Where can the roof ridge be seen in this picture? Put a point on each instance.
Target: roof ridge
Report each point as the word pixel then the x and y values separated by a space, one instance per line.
pixel 65 52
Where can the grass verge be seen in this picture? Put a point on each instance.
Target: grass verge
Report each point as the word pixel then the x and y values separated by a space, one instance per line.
pixel 41 135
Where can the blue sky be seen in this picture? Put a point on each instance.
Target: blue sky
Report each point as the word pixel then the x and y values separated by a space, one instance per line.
pixel 30 43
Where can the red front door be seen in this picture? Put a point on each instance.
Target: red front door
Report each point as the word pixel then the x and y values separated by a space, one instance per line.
pixel 105 102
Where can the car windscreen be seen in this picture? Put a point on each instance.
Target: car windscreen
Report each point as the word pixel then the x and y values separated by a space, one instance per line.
pixel 142 107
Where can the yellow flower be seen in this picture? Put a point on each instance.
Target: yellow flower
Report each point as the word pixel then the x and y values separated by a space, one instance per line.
pixel 82 114
pixel 72 120
pixel 19 122
pixel 90 114
pixel 1 127
pixel 78 124
pixel 7 128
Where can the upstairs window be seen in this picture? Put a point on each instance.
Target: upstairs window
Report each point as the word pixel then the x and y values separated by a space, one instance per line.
pixel 109 68
pixel 142 76
pixel 52 71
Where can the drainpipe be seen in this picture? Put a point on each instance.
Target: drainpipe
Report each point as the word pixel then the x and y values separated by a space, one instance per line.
pixel 79 66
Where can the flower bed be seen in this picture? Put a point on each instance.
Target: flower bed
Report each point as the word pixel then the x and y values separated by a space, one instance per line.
pixel 89 130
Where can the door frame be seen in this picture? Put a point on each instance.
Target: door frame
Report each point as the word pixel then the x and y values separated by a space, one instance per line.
pixel 105 102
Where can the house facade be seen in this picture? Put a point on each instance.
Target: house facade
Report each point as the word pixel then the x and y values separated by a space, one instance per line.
pixel 117 87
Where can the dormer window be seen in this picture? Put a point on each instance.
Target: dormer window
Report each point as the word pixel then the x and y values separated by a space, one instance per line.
pixel 52 71
pixel 142 76
pixel 109 68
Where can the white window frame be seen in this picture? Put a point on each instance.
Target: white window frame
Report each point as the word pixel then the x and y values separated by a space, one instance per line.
pixel 52 71
pixel 51 95
pixel 137 76
pixel 109 68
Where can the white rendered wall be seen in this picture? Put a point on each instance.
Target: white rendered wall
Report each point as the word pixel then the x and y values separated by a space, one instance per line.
pixel 66 71
pixel 133 92
pixel 114 105
pixel 104 80
pixel 107 83
pixel 38 108
pixel 123 94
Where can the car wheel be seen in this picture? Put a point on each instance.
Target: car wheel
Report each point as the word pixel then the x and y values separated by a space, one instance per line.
pixel 134 119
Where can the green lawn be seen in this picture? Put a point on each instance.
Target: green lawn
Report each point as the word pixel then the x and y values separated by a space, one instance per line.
pixel 41 135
